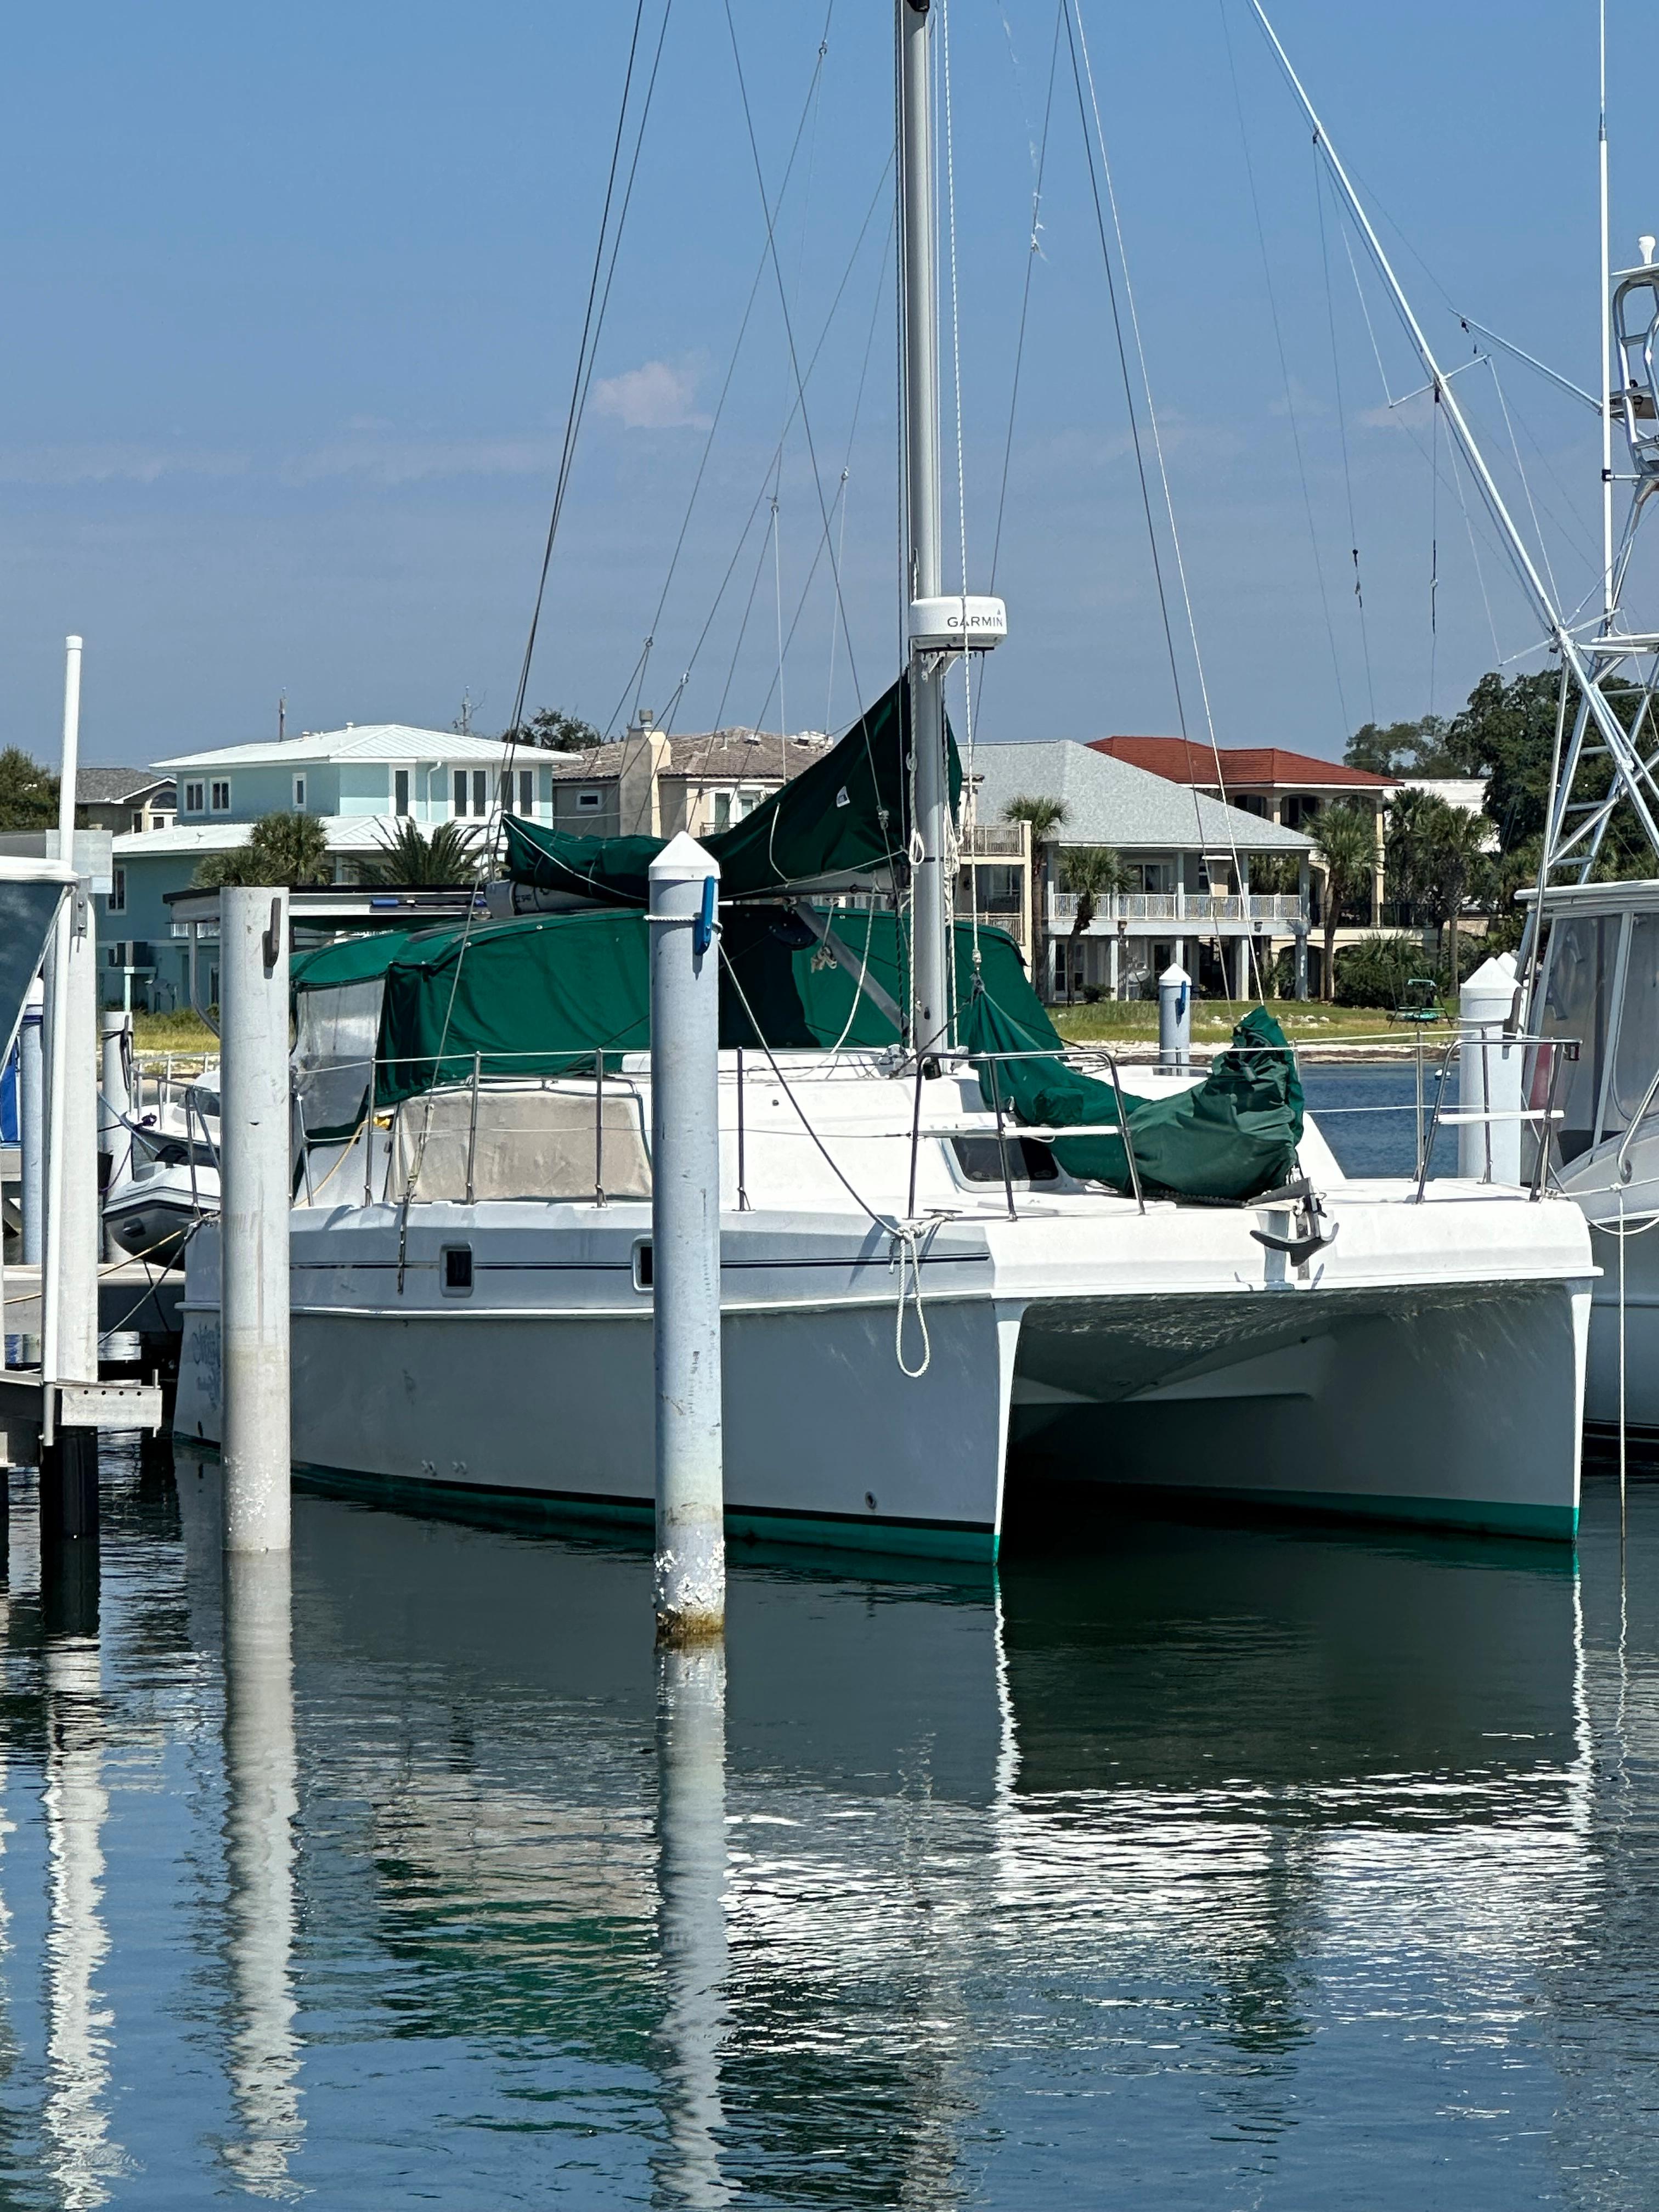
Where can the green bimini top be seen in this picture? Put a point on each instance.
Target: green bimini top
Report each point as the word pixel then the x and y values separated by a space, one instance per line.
pixel 544 994
pixel 841 822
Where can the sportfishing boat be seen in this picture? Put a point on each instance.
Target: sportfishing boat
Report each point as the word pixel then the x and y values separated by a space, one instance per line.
pixel 953 1251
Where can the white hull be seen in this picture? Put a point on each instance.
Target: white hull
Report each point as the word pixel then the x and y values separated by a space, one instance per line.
pixel 1593 1182
pixel 1427 1366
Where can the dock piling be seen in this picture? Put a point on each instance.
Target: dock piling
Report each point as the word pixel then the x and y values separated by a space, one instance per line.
pixel 1175 1019
pixel 255 1156
pixel 690 1582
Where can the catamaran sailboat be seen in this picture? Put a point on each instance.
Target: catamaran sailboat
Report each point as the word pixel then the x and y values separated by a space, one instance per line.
pixel 949 1247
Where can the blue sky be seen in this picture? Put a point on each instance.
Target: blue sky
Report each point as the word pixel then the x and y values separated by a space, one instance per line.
pixel 293 301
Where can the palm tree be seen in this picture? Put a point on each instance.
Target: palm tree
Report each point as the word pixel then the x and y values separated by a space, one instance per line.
pixel 1091 872
pixel 449 855
pixel 281 848
pixel 1452 856
pixel 1045 816
pixel 1345 841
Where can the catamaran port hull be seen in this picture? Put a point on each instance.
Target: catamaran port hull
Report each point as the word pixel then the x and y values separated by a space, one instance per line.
pixel 1452 1403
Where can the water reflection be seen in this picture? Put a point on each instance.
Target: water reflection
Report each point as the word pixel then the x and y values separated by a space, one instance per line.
pixel 262 1803
pixel 1221 1861
pixel 79 2153
pixel 691 1879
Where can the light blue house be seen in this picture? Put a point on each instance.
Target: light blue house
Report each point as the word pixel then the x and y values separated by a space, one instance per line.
pixel 360 782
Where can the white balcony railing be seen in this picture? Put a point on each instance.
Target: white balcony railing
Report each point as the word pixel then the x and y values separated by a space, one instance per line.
pixel 1192 909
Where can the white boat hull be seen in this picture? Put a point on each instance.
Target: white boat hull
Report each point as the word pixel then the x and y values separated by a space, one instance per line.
pixel 1630 1314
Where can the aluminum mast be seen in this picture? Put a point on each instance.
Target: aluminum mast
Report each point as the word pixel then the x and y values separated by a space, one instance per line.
pixel 930 941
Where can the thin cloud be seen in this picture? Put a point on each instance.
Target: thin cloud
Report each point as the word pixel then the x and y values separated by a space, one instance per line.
pixel 656 396
pixel 112 463
pixel 1415 413
pixel 392 462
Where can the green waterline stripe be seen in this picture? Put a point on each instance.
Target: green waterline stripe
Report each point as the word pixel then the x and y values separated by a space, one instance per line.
pixel 1550 1523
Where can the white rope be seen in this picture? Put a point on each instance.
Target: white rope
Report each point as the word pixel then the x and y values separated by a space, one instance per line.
pixel 907 1258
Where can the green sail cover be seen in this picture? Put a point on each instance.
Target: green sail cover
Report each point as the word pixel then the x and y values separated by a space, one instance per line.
pixel 542 995
pixel 844 819
pixel 1234 1135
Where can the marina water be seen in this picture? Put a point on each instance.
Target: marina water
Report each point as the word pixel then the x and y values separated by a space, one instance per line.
pixel 1175 1864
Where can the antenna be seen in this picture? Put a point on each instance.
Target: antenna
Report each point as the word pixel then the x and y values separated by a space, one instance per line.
pixel 1605 310
pixel 281 716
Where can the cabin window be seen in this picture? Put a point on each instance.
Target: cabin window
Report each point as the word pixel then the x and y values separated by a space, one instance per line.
pixel 979 1159
pixel 400 791
pixel 1583 953
pixel 195 798
pixel 460 790
pixel 219 801
pixel 1636 1052
pixel 457 1270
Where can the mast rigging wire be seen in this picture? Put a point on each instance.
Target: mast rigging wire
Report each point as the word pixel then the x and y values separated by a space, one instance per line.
pixel 1342 427
pixel 1075 9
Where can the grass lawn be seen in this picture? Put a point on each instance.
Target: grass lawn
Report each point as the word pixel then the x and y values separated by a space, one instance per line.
pixel 176 1032
pixel 1135 1022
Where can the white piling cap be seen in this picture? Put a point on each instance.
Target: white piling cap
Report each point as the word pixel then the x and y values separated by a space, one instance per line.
pixel 1175 975
pixel 683 860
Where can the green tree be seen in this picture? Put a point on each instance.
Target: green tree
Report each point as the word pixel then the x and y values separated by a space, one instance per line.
pixel 1045 816
pixel 554 730
pixel 1091 872
pixel 1507 734
pixel 28 792
pixel 1419 748
pixel 281 848
pixel 449 855
pixel 1344 842
pixel 1452 862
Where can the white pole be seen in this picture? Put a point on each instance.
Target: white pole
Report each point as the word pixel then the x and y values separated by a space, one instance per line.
pixel 255 1157
pixel 685 1242
pixel 1489 1075
pixel 32 1123
pixel 1175 1018
pixel 1605 307
pixel 68 1323
pixel 930 954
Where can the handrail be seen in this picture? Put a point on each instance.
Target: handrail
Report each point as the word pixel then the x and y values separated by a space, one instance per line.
pixel 1566 1049
pixel 1621 1162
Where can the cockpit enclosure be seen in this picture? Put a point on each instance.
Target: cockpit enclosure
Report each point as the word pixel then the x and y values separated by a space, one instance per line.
pixel 1599 986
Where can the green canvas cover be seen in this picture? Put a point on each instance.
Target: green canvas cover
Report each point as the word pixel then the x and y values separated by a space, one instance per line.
pixel 349 960
pixel 844 819
pixel 542 995
pixel 1234 1135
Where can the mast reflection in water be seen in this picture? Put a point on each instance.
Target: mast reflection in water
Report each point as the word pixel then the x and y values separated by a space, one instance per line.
pixel 1188 1866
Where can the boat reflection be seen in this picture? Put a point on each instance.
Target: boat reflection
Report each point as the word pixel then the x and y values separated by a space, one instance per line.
pixel 1220 1759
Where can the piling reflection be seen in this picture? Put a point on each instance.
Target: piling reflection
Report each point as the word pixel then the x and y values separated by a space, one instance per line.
pixel 80 2154
pixel 691 1923
pixel 262 1805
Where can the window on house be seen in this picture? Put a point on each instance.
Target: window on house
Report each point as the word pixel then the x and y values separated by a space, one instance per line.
pixel 589 802
pixel 117 893
pixel 195 798
pixel 722 814
pixel 507 789
pixel 480 790
pixel 137 819
pixel 526 791
pixel 460 790
pixel 219 801
pixel 299 792
pixel 400 791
